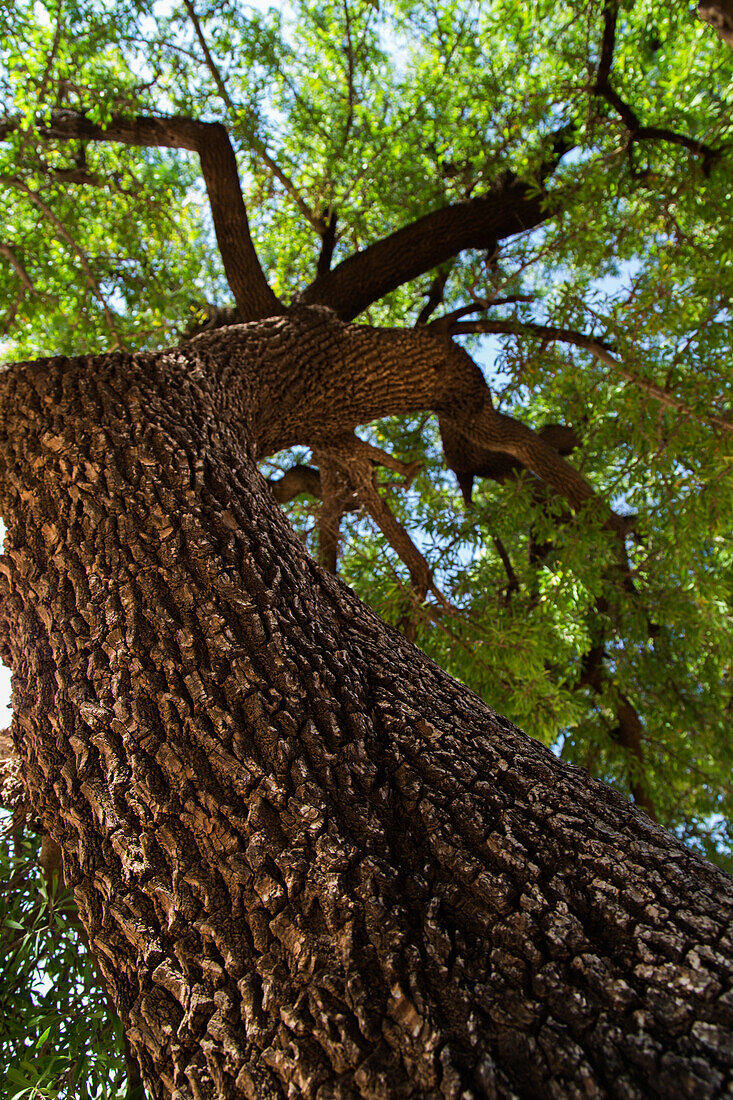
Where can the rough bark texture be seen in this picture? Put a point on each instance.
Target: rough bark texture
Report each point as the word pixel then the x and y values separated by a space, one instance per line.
pixel 310 863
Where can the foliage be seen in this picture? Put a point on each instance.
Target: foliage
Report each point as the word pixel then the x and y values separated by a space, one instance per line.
pixel 376 113
pixel 59 1037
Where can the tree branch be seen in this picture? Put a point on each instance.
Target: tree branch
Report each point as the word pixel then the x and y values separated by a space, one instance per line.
pixel 513 585
pixel 511 207
pixel 595 347
pixel 17 265
pixel 434 296
pixel 608 43
pixel 637 132
pixel 12 312
pixel 490 431
pixel 354 459
pixel 349 74
pixel 628 732
pixel 296 481
pixel 339 497
pixel 328 243
pixel 259 147
pixel 390 372
pixel 210 140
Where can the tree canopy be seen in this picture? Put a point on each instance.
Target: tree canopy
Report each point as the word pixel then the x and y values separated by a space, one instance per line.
pixel 547 184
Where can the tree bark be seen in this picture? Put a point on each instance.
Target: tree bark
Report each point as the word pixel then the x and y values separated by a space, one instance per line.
pixel 308 862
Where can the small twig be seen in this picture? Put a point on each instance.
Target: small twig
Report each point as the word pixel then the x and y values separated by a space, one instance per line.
pixel 446 321
pixel 356 459
pixel 20 271
pixel 608 43
pixel 383 458
pixel 349 74
pixel 64 233
pixel 513 585
pixel 12 312
pixel 52 54
pixel 596 348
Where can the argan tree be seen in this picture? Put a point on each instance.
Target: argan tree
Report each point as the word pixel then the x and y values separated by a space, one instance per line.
pixel 479 248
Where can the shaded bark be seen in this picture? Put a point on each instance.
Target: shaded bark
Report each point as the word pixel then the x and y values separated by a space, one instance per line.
pixel 308 862
pixel 719 14
pixel 297 480
pixel 328 243
pixel 318 378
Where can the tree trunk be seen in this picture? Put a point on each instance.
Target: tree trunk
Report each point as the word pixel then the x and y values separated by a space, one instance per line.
pixel 310 863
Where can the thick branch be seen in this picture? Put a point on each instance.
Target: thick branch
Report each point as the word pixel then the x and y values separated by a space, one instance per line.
pixel 496 431
pixel 358 373
pixel 511 207
pixel 294 482
pixel 470 461
pixel 210 140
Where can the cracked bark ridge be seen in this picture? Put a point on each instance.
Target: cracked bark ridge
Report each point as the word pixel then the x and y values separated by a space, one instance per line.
pixel 308 862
